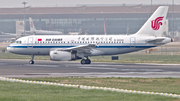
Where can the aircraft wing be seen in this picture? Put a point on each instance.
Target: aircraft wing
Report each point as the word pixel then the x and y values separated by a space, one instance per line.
pixel 27 32
pixel 80 48
pixel 155 40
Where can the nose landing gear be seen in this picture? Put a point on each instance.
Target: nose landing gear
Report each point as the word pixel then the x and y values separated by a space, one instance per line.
pixel 31 61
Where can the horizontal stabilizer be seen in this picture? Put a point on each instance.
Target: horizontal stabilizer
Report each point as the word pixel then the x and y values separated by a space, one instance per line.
pixel 155 40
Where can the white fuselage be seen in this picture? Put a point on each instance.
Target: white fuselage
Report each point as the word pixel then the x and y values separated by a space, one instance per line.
pixel 105 44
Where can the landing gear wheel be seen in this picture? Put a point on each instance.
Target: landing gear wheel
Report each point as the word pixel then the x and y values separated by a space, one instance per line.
pixel 31 62
pixel 83 61
pixel 88 61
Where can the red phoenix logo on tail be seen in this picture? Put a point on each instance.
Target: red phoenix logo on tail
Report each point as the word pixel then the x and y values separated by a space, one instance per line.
pixel 31 24
pixel 155 24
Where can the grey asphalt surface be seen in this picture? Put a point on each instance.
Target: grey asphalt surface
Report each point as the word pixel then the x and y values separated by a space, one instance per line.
pixel 43 68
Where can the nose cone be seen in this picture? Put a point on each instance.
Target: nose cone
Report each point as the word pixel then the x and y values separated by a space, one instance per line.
pixel 10 48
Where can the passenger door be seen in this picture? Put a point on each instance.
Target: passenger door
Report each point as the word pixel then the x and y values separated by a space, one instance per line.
pixel 132 42
pixel 30 42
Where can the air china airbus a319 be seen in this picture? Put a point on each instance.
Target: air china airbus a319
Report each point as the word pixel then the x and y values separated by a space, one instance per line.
pixel 73 47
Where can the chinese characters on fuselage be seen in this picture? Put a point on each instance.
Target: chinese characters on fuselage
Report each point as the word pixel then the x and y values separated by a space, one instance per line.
pixel 100 39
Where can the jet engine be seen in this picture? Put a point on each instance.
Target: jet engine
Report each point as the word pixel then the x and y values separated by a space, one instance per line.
pixel 62 56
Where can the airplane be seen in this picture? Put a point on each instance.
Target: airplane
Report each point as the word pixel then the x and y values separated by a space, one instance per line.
pixel 41 32
pixel 73 47
pixel 2 33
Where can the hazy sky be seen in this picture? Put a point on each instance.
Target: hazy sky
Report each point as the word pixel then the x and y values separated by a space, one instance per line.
pixel 53 3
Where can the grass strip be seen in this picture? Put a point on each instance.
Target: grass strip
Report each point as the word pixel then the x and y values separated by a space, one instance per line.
pixel 161 85
pixel 15 91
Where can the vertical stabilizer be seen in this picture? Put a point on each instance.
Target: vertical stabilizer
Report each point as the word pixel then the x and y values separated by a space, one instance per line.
pixel 32 27
pixel 155 24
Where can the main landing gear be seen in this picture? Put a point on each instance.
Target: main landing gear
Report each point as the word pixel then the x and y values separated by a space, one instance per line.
pixel 31 61
pixel 85 61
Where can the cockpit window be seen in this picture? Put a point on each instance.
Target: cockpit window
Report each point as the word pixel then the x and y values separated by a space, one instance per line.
pixel 18 42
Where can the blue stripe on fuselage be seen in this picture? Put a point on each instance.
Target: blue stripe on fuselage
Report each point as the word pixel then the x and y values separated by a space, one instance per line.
pixel 75 46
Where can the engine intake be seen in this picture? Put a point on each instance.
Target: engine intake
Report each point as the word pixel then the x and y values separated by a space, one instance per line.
pixel 62 56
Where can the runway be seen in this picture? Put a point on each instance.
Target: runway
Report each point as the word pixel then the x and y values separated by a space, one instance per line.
pixel 43 68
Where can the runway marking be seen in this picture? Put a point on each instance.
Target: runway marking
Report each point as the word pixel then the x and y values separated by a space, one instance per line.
pixel 89 87
pixel 40 65
pixel 107 65
pixel 3 63
pixel 116 65
pixel 98 68
pixel 158 64
pixel 109 73
pixel 143 70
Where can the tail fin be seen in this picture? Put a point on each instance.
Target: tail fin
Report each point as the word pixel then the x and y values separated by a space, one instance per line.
pixel 155 24
pixel 32 27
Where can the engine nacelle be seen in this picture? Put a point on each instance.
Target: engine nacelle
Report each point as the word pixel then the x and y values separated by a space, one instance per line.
pixel 62 56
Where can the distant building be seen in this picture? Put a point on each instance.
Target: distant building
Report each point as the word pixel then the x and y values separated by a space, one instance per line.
pixel 87 18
